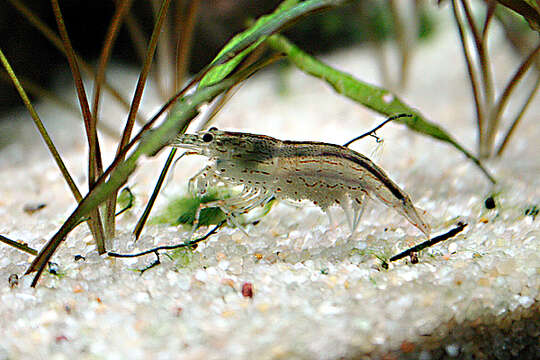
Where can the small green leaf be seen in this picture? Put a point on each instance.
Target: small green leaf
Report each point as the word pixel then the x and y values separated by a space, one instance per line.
pixel 181 210
pixel 125 199
pixel 182 257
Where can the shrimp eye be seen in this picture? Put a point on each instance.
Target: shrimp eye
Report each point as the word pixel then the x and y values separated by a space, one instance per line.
pixel 207 137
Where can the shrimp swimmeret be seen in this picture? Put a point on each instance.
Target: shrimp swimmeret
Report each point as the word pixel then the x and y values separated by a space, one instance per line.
pixel 325 174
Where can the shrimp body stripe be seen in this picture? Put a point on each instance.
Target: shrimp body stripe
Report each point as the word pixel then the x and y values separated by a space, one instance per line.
pixel 340 152
pixel 299 149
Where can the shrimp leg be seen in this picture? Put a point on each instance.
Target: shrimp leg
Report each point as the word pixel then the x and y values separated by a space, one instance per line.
pixel 230 207
pixel 198 183
pixel 213 204
pixel 358 206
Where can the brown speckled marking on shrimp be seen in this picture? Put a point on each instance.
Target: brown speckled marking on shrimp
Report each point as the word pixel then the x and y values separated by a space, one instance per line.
pixel 325 174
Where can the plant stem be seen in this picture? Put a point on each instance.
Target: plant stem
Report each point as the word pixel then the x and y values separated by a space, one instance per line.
pixel 518 118
pixel 41 128
pixel 505 96
pixel 95 166
pixel 146 213
pixel 480 42
pixel 55 40
pixel 23 247
pixel 137 97
pixel 122 8
pixel 185 38
pixel 480 110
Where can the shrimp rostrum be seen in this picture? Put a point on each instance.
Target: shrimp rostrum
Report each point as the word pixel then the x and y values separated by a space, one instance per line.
pixel 325 174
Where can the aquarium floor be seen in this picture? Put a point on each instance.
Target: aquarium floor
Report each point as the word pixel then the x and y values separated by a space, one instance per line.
pixel 315 292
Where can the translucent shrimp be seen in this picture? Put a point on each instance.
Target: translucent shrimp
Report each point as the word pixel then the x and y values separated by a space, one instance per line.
pixel 325 174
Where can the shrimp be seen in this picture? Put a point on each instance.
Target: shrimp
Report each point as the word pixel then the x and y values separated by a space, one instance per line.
pixel 267 168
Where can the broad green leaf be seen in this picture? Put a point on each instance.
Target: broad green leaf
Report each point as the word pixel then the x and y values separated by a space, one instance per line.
pixel 242 44
pixel 371 96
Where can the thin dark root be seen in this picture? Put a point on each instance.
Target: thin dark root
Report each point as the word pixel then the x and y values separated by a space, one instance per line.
pixel 377 139
pixel 372 132
pixel 170 247
pixel 153 264
pixel 459 228
pixel 130 202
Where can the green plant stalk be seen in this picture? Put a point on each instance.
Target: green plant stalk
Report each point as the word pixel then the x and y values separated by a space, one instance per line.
pixel 505 96
pixel 373 97
pixel 480 42
pixel 122 8
pixel 144 217
pixel 137 97
pixel 518 118
pixel 473 79
pixel 22 247
pixel 55 40
pixel 118 173
pixel 95 166
pixel 41 128
pixel 185 25
pixel 42 93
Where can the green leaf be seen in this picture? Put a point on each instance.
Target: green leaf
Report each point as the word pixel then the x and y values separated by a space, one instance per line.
pixel 242 44
pixel 371 96
pixel 125 199
pixel 181 210
pixel 182 257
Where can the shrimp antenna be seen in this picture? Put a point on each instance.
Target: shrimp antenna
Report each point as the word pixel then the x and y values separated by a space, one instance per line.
pixel 372 131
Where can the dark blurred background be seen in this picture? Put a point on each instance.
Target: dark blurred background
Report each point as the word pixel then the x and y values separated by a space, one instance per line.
pixel 35 59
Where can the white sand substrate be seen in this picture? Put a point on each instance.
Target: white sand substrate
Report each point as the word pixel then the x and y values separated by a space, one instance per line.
pixel 316 293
